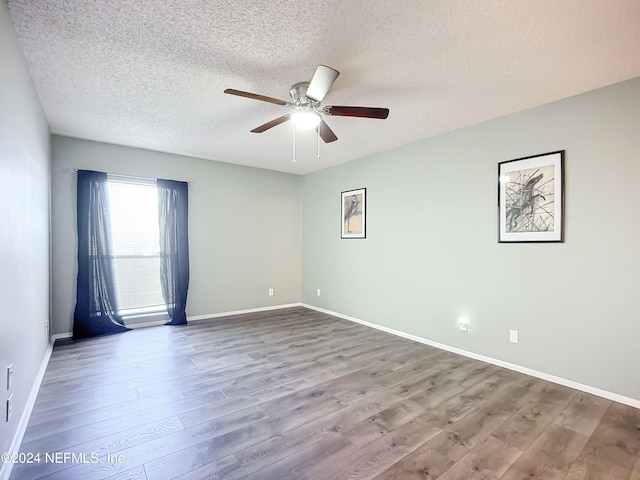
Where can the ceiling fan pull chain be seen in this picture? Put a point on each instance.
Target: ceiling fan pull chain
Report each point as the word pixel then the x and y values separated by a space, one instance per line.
pixel 294 144
pixel 318 140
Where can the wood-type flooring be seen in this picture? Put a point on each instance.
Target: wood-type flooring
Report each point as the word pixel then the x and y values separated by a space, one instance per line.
pixel 297 394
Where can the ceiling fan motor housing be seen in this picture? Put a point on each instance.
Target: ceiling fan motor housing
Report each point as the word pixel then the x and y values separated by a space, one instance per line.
pixel 298 92
pixel 299 99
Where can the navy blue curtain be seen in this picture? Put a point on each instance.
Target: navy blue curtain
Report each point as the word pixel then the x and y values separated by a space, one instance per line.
pixel 96 311
pixel 173 209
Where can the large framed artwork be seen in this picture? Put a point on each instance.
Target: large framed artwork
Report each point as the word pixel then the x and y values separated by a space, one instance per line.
pixel 354 213
pixel 531 199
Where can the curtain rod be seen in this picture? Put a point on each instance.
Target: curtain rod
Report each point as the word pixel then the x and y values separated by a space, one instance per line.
pixel 127 176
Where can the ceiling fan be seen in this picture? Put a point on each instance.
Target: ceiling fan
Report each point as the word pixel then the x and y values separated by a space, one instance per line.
pixel 306 99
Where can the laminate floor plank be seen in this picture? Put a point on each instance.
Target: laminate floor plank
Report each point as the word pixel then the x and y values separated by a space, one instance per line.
pixel 614 447
pixel 362 424
pixel 550 455
pixel 458 437
pixel 298 394
pixel 295 467
pixel 285 414
pixel 119 410
pixel 134 360
pixel 529 423
pixel 455 406
pixel 87 405
pixel 278 447
pixel 424 463
pixel 67 439
pixel 299 335
pixel 341 421
pixel 325 454
pixel 107 352
pixel 487 461
pixel 226 468
pixel 378 455
pixel 635 474
pixel 237 428
pixel 136 473
pixel 98 446
pixel 307 412
pixel 584 413
pixel 244 385
pixel 211 411
pixel 79 382
pixel 383 379
pixel 78 403
pixel 143 382
pixel 206 376
pixel 250 382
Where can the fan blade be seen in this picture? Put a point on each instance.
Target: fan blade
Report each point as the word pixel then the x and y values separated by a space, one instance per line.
pixel 321 82
pixel 364 112
pixel 255 96
pixel 325 132
pixel 271 124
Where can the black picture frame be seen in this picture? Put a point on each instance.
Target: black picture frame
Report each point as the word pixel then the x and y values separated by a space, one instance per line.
pixel 531 199
pixel 353 212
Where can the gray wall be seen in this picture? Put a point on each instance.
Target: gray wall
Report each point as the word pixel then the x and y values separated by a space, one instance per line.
pixel 431 252
pixel 24 232
pixel 244 227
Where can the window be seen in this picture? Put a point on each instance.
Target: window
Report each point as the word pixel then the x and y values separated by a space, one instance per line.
pixel 133 209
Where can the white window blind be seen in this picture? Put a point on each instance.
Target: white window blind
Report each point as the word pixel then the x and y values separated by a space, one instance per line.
pixel 134 229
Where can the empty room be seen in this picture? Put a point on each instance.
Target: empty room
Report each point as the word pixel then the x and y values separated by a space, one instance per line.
pixel 319 240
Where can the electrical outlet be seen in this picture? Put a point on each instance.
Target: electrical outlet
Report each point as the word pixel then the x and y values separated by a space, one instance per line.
pixel 9 375
pixel 271 292
pixel 9 407
pixel 318 292
pixel 513 336
pixel 46 324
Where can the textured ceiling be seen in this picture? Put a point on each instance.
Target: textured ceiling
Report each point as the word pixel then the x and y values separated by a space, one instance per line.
pixel 151 73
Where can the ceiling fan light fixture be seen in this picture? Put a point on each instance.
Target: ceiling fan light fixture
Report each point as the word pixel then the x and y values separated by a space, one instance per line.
pixel 306 120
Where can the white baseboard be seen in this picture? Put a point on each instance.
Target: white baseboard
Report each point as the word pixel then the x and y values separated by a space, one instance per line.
pixel 632 402
pixel 213 316
pixel 193 318
pixel 153 323
pixel 61 336
pixel 6 468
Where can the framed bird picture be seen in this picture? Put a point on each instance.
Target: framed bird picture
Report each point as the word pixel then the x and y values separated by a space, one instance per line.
pixel 354 213
pixel 531 199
